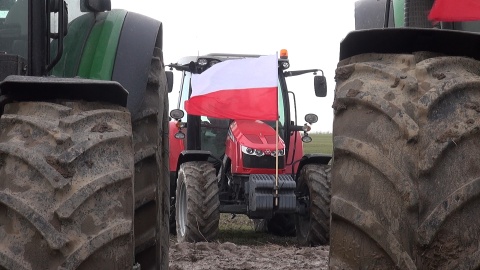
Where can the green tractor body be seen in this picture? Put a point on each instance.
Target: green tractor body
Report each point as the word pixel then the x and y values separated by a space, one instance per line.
pixel 84 137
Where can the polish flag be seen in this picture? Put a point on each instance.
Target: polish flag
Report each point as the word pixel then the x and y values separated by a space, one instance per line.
pixel 455 11
pixel 237 89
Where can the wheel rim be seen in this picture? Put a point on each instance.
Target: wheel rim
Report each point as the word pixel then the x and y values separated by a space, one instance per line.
pixel 182 209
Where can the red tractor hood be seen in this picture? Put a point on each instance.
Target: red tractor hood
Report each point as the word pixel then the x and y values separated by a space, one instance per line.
pixel 255 134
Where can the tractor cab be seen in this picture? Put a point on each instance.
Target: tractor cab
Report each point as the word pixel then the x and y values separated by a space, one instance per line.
pixel 42 44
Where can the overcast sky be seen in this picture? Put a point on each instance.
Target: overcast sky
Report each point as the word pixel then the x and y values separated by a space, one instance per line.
pixel 311 31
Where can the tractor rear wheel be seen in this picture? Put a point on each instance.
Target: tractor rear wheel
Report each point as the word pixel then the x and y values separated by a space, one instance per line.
pixel 197 202
pixel 405 177
pixel 150 139
pixel 260 225
pixel 313 187
pixel 66 186
pixel 281 225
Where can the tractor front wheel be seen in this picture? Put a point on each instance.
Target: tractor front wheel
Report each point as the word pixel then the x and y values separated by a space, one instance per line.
pixel 197 202
pixel 313 187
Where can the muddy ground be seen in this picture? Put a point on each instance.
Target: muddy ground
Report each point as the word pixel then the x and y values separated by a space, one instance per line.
pixel 239 247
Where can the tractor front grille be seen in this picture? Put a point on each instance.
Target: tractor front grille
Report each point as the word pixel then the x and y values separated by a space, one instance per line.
pixel 263 162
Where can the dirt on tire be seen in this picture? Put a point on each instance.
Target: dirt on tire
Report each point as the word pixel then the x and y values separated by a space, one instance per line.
pixel 66 189
pixel 197 202
pixel 405 176
pixel 313 228
pixel 150 139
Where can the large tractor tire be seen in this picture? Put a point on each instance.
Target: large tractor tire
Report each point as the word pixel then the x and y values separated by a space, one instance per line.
pixel 260 225
pixel 152 184
pixel 66 186
pixel 313 188
pixel 281 225
pixel 405 177
pixel 197 201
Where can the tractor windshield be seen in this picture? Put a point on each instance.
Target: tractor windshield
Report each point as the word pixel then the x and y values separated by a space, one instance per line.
pixel 14 24
pixel 14 27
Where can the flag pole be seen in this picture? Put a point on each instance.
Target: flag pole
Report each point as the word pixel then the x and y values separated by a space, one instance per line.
pixel 276 163
pixel 276 150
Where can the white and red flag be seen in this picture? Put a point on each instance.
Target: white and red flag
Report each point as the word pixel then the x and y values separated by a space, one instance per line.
pixel 237 89
pixel 455 10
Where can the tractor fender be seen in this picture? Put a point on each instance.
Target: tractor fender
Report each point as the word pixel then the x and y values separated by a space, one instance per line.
pixel 409 40
pixel 186 156
pixel 191 155
pixel 312 159
pixel 140 35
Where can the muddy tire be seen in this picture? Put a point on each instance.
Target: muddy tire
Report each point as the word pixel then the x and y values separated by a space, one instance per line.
pixel 197 202
pixel 259 225
pixel 163 192
pixel 281 225
pixel 66 186
pixel 152 184
pixel 313 187
pixel 173 221
pixel 405 177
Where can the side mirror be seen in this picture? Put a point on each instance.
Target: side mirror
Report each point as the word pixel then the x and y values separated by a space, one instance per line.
pixel 320 84
pixel 169 80
pixel 95 5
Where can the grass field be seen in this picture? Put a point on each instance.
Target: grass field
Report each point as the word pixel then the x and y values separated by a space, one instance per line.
pixel 239 230
pixel 321 144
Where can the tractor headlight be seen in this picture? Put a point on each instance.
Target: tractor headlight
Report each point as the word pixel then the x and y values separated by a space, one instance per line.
pixel 311 118
pixel 251 151
pixel 281 152
pixel 213 62
pixel 176 114
pixel 202 62
pixel 261 153
pixel 247 150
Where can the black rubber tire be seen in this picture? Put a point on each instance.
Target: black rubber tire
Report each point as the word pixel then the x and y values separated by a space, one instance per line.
pixel 259 225
pixel 150 139
pixel 313 186
pixel 281 225
pixel 173 221
pixel 405 177
pixel 173 190
pixel 66 186
pixel 197 201
pixel 163 191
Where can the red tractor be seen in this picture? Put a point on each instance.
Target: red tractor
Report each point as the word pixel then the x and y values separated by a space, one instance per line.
pixel 229 166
